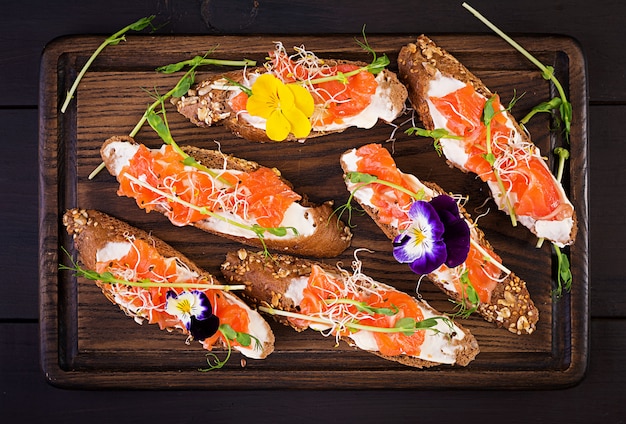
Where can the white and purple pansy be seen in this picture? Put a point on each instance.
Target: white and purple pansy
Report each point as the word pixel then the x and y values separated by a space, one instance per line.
pixel 437 235
pixel 194 309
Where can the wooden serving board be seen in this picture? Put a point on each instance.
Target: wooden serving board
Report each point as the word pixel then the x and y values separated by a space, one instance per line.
pixel 87 342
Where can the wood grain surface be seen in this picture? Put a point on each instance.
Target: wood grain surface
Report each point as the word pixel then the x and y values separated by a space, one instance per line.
pixel 86 341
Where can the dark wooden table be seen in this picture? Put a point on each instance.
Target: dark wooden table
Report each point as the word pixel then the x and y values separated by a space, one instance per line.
pixel 26 27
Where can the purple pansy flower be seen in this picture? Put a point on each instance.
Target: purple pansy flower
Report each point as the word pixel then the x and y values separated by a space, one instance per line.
pixel 437 235
pixel 194 309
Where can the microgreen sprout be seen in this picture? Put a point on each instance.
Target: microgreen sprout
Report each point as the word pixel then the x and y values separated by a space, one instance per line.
pixel 257 229
pixel 180 89
pixel 488 114
pixel 564 273
pixel 158 122
pixel 362 180
pixel 112 40
pixel 378 64
pixel 201 61
pixel 563 155
pixel 364 307
pixel 437 134
pixel 229 334
pixel 109 278
pixel 406 326
pixel 547 72
pixel 469 298
pixel 543 107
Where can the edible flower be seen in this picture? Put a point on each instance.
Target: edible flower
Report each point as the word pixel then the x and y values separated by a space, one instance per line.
pixel 194 309
pixel 286 107
pixel 436 235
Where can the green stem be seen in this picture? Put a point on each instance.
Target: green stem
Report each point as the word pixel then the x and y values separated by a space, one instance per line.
pixel 350 325
pixel 258 230
pixel 113 39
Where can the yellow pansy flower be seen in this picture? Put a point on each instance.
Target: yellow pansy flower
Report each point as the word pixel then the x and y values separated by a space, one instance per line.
pixel 285 107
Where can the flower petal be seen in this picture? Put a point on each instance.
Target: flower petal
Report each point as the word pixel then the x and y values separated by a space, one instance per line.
pixel 457 233
pixel 303 98
pixel 421 244
pixel 432 259
pixel 202 308
pixel 264 99
pixel 300 124
pixel 203 329
pixel 277 126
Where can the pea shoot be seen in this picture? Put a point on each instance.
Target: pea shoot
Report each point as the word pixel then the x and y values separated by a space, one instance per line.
pixel 244 339
pixel 407 326
pixel 362 180
pixel 437 134
pixel 547 72
pixel 488 114
pixel 112 40
pixel 469 298
pixel 109 278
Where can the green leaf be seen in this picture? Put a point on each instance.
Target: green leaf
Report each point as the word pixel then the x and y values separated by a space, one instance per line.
pixel 228 331
pixel 407 324
pixel 183 85
pixel 543 107
pixel 427 323
pixel 242 87
pixel 141 23
pixel 244 339
pixel 488 111
pixel 360 177
pixel 379 64
pixel 171 68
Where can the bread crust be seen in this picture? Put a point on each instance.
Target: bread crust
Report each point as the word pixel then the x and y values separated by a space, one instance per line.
pixel 418 64
pixel 206 106
pixel 267 282
pixel 91 230
pixel 330 238
pixel 510 305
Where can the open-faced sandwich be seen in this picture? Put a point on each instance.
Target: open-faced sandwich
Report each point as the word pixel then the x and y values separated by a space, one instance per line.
pixel 295 97
pixel 437 237
pixel 483 137
pixel 150 281
pixel 350 306
pixel 231 197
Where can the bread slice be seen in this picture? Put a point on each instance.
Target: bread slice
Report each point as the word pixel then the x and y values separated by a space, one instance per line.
pixel 281 282
pixel 431 72
pixel 317 232
pixel 100 238
pixel 509 304
pixel 208 102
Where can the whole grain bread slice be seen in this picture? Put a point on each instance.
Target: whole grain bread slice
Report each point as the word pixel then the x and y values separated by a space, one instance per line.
pixel 330 237
pixel 92 230
pixel 510 305
pixel 268 283
pixel 207 103
pixel 418 64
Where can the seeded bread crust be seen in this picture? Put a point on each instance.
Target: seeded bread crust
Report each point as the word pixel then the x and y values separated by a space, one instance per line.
pixel 206 106
pixel 418 64
pixel 510 305
pixel 331 236
pixel 91 230
pixel 267 281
